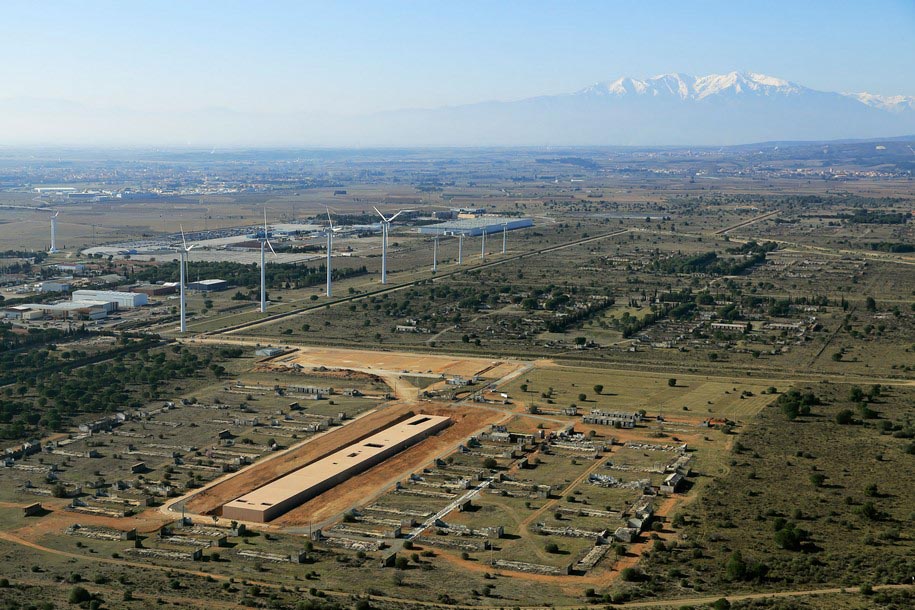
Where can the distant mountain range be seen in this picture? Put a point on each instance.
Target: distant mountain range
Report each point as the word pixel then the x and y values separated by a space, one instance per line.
pixel 671 109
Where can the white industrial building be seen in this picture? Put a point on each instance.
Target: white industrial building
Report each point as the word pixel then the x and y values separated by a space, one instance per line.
pixel 86 310
pixel 54 286
pixel 476 226
pixel 124 300
pixel 214 285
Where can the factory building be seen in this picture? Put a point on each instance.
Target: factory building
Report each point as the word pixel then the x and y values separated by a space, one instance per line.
pixel 53 286
pixel 473 227
pixel 156 290
pixel 124 300
pixel 282 495
pixel 208 285
pixel 77 269
pixel 85 310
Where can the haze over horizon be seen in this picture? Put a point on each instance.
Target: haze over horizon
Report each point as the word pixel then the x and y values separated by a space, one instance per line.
pixel 315 74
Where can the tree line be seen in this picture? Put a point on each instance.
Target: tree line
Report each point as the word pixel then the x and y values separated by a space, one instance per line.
pixel 282 275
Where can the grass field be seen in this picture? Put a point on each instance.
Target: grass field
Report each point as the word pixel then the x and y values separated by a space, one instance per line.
pixel 703 396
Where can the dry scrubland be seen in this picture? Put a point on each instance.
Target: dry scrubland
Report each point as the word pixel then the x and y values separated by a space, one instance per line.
pixel 777 499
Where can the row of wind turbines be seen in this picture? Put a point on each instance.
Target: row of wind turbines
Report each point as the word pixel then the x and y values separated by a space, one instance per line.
pixel 184 249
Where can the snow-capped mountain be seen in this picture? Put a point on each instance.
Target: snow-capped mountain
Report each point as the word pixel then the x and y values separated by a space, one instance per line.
pixel 671 109
pixel 897 103
pixel 674 109
pixel 686 87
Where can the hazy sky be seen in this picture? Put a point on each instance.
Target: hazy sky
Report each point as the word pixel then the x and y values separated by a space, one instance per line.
pixel 352 56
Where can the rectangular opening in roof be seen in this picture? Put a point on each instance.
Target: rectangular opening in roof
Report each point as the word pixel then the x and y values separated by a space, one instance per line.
pixel 421 420
pixel 374 445
pixel 354 454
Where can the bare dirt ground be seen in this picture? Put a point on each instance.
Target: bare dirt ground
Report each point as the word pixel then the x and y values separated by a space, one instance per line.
pixel 400 361
pixel 378 362
pixel 211 499
pixel 369 485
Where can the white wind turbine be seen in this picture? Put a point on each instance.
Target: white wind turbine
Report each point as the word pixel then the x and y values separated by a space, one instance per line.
pixel 435 253
pixel 53 247
pixel 331 229
pixel 385 227
pixel 183 252
pixel 265 242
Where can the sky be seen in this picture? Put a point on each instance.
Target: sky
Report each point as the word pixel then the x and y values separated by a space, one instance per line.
pixel 362 57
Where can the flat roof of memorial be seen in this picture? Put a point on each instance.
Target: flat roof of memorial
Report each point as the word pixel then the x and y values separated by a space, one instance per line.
pixel 336 463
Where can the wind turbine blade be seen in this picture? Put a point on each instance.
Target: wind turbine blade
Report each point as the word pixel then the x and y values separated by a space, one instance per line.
pixel 329 221
pixel 380 214
pixel 269 245
pixel 184 241
pixel 191 247
pixel 396 215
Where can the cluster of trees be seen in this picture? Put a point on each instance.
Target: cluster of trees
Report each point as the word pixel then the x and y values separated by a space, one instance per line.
pixel 738 569
pixel 888 246
pixel 283 275
pixel 788 536
pixel 24 366
pixel 630 325
pixel 558 325
pixel 50 401
pixel 876 217
pixel 863 399
pixel 11 341
pixel 748 255
pixel 753 247
pixel 794 403
pixel 696 263
pixel 21 266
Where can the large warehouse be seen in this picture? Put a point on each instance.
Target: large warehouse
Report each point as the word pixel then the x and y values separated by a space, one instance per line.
pixel 124 300
pixel 474 227
pixel 282 495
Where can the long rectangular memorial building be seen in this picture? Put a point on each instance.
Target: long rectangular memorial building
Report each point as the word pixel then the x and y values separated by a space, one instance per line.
pixel 285 493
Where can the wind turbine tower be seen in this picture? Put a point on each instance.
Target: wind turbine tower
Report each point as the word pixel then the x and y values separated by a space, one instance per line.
pixel 435 254
pixel 265 242
pixel 460 248
pixel 182 263
pixel 385 227
pixel 504 234
pixel 483 246
pixel 331 229
pixel 53 247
